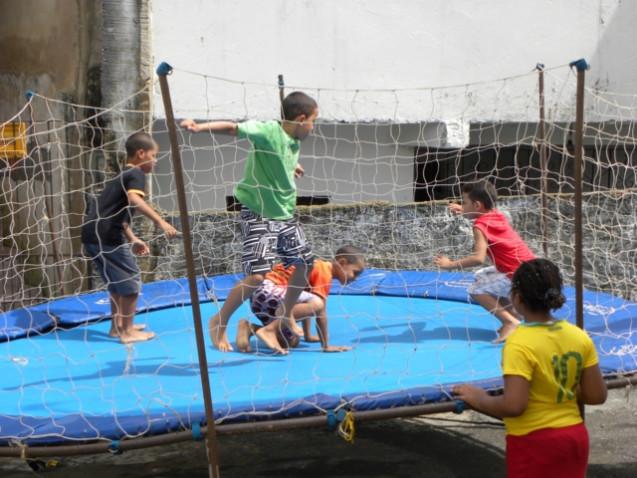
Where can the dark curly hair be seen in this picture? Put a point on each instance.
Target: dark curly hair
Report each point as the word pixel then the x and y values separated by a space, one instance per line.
pixel 539 285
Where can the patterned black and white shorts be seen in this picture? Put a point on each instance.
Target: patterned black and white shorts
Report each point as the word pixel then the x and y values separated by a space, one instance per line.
pixel 266 241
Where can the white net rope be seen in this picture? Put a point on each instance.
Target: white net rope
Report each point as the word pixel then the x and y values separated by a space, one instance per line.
pixel 385 162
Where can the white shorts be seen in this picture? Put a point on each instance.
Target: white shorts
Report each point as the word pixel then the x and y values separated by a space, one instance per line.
pixel 490 281
pixel 267 298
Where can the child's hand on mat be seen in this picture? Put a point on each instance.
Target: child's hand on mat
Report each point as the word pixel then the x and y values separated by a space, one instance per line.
pixel 336 348
pixel 140 248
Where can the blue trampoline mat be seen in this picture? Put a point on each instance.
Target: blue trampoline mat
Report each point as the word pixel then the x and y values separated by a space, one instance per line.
pixel 408 349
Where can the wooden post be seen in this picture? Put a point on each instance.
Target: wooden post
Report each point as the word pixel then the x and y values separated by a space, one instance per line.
pixel 211 436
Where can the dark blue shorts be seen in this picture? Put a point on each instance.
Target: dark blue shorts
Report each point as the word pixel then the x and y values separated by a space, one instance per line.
pixel 117 267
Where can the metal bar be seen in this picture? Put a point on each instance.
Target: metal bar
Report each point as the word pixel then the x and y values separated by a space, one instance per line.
pixel 543 163
pixel 621 382
pixel 252 427
pixel 211 442
pixel 281 94
pixel 230 429
pixel 581 67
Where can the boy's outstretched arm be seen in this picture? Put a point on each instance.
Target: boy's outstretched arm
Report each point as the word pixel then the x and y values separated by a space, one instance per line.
pixel 511 403
pixel 217 127
pixel 321 325
pixel 478 257
pixel 142 206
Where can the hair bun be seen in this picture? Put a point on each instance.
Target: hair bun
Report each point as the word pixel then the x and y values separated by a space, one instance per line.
pixel 551 294
pixel 554 298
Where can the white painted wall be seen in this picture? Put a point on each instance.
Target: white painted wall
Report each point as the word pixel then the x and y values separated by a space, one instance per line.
pixel 348 45
pixel 435 69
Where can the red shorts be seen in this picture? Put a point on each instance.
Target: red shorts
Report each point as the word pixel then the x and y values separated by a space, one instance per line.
pixel 560 452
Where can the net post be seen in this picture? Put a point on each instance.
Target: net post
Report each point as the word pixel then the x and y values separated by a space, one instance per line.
pixel 281 93
pixel 581 66
pixel 211 438
pixel 541 138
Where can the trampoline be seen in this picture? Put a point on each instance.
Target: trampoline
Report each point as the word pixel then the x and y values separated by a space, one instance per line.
pixel 413 334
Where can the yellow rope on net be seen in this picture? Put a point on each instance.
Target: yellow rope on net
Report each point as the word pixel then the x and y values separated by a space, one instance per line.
pixel 346 428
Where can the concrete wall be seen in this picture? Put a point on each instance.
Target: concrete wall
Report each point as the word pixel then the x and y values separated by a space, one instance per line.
pixel 51 48
pixel 408 236
pixel 352 163
pixel 48 47
pixel 349 163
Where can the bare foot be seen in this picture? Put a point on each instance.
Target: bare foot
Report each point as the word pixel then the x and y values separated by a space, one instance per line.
pixel 312 338
pixel 291 324
pixel 218 334
pixel 244 332
pixel 114 333
pixel 136 336
pixel 288 322
pixel 504 332
pixel 269 338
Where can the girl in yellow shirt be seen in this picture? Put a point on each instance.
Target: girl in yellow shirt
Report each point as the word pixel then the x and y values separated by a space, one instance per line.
pixel 548 365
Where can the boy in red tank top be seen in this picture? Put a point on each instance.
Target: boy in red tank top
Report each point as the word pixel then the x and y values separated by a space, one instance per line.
pixel 494 238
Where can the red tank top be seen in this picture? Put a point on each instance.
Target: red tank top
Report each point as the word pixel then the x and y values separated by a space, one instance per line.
pixel 506 249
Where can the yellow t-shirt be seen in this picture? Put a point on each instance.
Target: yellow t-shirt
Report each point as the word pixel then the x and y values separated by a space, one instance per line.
pixel 551 356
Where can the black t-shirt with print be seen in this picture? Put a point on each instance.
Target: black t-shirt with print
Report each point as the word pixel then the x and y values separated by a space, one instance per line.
pixel 105 223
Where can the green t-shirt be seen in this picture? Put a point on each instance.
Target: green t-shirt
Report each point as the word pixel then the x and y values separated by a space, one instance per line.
pixel 268 188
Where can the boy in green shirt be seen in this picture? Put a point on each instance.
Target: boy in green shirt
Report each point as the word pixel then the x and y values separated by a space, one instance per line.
pixel 267 194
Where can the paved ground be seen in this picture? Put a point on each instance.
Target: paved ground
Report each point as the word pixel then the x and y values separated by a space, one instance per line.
pixel 441 446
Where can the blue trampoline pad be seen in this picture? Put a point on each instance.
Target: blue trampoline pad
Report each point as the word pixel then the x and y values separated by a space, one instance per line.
pixel 81 384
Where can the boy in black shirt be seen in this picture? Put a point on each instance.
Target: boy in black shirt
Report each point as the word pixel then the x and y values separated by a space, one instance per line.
pixel 110 242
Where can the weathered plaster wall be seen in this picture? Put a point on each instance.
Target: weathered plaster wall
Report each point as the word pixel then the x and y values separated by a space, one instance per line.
pixel 51 48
